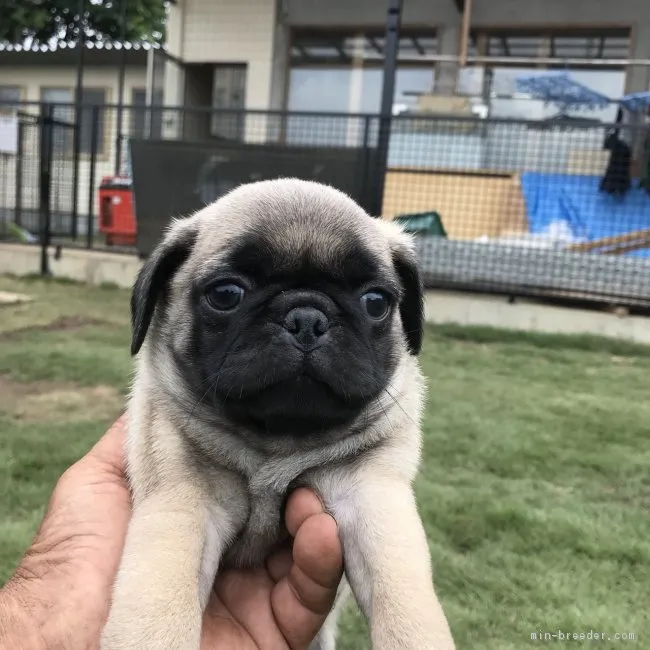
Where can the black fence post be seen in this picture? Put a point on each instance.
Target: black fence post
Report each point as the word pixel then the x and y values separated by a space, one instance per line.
pixel 366 176
pixel 45 185
pixel 90 230
pixel 393 22
pixel 78 117
pixel 120 89
pixel 76 154
pixel 18 211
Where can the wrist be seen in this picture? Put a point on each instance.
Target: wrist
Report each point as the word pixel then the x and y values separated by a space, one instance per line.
pixel 19 627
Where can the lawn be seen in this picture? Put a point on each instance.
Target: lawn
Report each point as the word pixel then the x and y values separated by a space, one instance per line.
pixel 535 482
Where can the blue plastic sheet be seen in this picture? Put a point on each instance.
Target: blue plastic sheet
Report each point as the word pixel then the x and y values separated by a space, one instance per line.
pixel 636 102
pixel 560 89
pixel 576 203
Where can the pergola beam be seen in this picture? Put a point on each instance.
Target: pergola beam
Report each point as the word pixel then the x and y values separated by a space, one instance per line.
pixel 466 6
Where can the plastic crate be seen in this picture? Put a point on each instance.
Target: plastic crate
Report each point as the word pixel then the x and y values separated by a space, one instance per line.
pixel 422 223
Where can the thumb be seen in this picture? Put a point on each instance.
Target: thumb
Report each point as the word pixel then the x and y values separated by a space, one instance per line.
pixel 303 599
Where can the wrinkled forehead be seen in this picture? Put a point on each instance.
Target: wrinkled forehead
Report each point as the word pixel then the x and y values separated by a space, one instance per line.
pixel 279 241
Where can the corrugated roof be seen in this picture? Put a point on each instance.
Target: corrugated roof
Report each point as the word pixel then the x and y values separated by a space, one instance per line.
pixel 90 45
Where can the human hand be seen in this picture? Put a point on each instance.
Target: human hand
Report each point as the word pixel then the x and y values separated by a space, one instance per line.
pixel 59 596
pixel 285 604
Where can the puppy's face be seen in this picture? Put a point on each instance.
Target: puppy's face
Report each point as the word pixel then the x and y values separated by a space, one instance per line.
pixel 283 307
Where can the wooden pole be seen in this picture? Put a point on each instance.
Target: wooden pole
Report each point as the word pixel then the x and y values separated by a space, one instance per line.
pixel 464 37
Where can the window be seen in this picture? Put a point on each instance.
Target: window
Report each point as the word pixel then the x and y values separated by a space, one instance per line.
pixel 10 95
pixel 63 110
pixel 342 72
pixel 560 44
pixel 591 43
pixel 140 126
pixel 228 92
pixel 91 97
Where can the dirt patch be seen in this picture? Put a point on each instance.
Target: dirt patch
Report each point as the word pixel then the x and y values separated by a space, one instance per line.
pixel 11 298
pixel 624 361
pixel 51 401
pixel 62 324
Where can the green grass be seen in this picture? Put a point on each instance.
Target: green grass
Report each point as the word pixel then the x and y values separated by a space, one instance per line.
pixel 535 482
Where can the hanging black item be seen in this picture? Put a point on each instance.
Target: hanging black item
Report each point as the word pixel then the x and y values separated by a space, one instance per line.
pixel 618 176
pixel 645 174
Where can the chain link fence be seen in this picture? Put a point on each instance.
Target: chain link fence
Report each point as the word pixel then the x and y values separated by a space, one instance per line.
pixel 557 206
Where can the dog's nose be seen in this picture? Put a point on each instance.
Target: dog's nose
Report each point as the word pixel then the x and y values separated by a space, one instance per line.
pixel 307 324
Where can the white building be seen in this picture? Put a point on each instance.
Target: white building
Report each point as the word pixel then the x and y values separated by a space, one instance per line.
pixel 327 55
pixel 31 77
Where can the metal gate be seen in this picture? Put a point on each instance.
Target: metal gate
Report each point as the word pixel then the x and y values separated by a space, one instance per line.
pixel 42 173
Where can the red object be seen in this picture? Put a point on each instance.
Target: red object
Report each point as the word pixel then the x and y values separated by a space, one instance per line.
pixel 116 217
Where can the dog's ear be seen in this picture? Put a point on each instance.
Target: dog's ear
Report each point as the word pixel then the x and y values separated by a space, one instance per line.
pixel 411 306
pixel 155 275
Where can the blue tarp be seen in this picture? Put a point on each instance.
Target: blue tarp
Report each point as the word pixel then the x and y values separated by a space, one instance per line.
pixel 636 102
pixel 577 203
pixel 561 89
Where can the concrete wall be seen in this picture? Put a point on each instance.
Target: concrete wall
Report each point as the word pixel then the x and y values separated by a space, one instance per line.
pixel 94 267
pixel 174 84
pixel 511 13
pixel 341 13
pixel 498 13
pixel 32 78
pixel 224 31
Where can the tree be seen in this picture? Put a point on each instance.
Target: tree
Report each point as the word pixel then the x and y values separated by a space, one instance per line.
pixel 44 21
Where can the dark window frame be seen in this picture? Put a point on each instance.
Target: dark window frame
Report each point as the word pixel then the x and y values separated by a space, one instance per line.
pixel 67 115
pixel 374 37
pixel 605 36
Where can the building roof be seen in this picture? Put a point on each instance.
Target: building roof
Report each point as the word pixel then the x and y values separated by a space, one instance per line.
pixel 63 54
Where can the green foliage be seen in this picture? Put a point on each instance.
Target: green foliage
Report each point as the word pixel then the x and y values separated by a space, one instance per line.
pixel 41 21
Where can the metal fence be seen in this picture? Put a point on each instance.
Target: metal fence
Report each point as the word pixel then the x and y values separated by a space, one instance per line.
pixel 557 208
pixel 512 206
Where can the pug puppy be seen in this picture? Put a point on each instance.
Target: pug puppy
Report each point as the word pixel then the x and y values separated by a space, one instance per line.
pixel 276 333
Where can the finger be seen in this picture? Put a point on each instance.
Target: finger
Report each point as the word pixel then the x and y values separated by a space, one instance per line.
pixel 302 600
pixel 279 564
pixel 302 503
pixel 245 594
pixel 220 625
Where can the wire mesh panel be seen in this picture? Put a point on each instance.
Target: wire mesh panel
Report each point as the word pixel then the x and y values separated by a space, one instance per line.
pixel 62 176
pixel 19 172
pixel 557 206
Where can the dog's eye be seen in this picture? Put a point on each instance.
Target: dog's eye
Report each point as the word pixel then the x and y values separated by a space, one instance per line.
pixel 376 304
pixel 224 297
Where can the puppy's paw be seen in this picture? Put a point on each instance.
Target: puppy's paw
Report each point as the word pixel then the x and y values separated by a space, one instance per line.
pixel 142 631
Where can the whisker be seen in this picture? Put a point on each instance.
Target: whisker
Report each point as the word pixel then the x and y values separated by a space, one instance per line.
pixel 384 410
pixel 396 402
